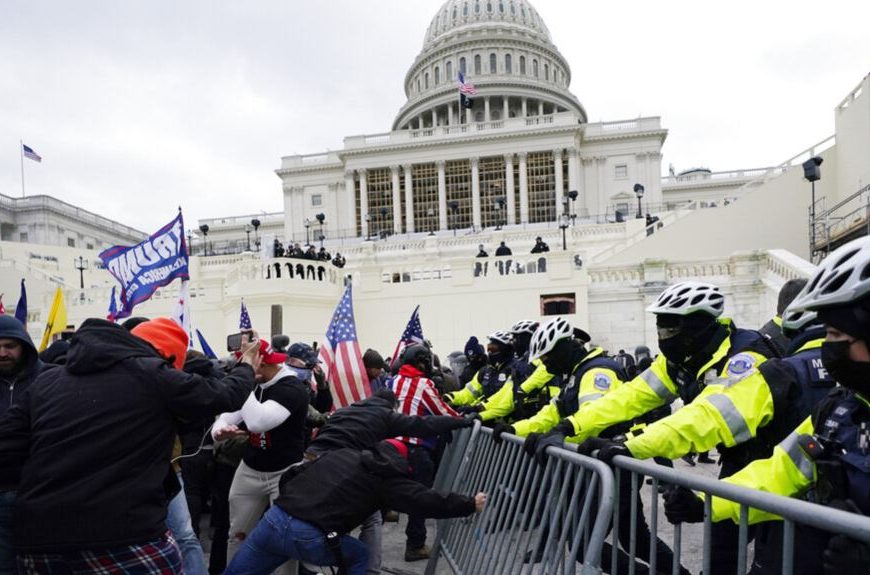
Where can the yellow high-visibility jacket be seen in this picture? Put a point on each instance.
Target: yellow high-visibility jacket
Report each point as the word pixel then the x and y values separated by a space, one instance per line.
pixel 501 403
pixel 654 387
pixel 586 384
pixel 473 392
pixel 729 410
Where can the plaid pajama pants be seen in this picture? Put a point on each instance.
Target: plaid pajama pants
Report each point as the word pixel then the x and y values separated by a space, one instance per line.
pixel 157 557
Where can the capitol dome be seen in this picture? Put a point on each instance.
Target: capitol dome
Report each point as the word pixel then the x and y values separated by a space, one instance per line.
pixel 504 49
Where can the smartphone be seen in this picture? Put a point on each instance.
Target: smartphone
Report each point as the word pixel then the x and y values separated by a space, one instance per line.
pixel 234 340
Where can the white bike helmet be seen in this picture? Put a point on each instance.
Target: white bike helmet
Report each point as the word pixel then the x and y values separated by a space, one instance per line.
pixel 547 336
pixel 794 321
pixel 525 326
pixel 688 297
pixel 502 337
pixel 842 278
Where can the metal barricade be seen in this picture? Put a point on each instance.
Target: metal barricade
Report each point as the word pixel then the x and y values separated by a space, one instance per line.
pixel 551 519
pixel 795 513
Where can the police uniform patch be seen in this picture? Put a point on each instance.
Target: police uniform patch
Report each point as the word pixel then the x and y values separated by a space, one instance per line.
pixel 602 381
pixel 502 377
pixel 740 364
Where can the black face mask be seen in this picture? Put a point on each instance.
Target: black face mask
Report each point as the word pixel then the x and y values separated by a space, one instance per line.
pixel 847 372
pixel 564 356
pixel 521 343
pixel 690 340
pixel 496 359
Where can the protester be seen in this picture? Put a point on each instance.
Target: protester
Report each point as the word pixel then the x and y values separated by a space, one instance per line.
pixel 96 475
pixel 323 500
pixel 375 369
pixel 19 366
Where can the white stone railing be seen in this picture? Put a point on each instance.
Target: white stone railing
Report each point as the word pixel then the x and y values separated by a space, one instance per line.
pixel 607 128
pixel 694 178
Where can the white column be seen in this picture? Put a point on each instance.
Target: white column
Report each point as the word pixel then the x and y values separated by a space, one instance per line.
pixel 590 191
pixel 397 200
pixel 434 117
pixel 449 114
pixel 442 196
pixel 509 188
pixel 573 174
pixel 409 199
pixel 600 162
pixel 524 188
pixel 525 108
pixel 560 181
pixel 540 107
pixel 475 192
pixel 364 201
pixel 351 204
pixel 506 113
pixel 486 116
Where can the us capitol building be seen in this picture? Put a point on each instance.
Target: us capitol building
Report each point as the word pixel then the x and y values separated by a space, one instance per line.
pixel 408 209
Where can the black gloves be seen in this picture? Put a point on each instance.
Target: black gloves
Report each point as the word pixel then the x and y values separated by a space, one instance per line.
pixel 501 428
pixel 683 506
pixel 473 416
pixel 466 409
pixel 462 422
pixel 845 555
pixel 531 443
pixel 552 439
pixel 607 449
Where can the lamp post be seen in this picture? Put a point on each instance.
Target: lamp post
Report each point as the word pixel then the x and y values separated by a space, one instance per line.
pixel 81 265
pixel 812 174
pixel 204 229
pixel 320 219
pixel 572 195
pixel 454 209
pixel 563 225
pixel 256 223
pixel 248 236
pixel 430 214
pixel 307 238
pixel 638 191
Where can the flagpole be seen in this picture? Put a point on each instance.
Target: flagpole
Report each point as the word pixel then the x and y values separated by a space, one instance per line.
pixel 21 153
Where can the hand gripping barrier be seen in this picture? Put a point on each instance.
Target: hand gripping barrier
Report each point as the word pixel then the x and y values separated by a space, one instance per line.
pixel 551 519
pixel 798 517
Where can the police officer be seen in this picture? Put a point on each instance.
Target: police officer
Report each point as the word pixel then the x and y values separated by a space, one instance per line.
pixel 828 454
pixel 588 376
pixel 490 378
pixel 530 386
pixel 698 349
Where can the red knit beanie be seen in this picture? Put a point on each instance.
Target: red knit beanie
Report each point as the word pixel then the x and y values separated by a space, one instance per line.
pixel 167 337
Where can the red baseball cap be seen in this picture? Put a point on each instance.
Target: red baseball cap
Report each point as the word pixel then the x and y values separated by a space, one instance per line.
pixel 399 446
pixel 269 355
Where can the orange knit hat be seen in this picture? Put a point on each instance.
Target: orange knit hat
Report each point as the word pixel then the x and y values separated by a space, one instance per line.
pixel 167 337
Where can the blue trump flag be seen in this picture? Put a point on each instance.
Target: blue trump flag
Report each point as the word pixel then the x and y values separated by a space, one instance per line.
pixel 21 308
pixel 149 265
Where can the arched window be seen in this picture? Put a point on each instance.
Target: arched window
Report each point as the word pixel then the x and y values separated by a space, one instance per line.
pixel 523 65
pixel 437 75
pixel 477 7
pixel 513 9
pixel 489 7
pixel 448 75
pixel 492 64
pixel 477 65
pixel 418 85
pixel 508 65
pixel 546 72
pixel 426 81
pixel 454 12
pixel 535 68
pixel 465 9
pixel 501 6
pixel 462 65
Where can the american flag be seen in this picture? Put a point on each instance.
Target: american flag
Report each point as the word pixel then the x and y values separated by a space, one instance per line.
pixel 467 89
pixel 244 318
pixel 29 153
pixel 113 306
pixel 342 360
pixel 413 334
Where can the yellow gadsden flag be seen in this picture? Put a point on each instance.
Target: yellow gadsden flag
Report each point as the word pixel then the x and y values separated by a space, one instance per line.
pixel 56 319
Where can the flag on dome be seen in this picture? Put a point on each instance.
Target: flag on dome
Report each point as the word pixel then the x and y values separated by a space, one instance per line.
pixel 466 88
pixel 29 153
pixel 342 360
pixel 413 334
pixel 244 318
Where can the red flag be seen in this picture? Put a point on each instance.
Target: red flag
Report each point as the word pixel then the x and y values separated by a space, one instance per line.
pixel 342 360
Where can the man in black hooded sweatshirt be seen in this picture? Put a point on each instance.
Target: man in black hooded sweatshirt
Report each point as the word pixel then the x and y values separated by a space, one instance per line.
pixel 95 438
pixel 19 366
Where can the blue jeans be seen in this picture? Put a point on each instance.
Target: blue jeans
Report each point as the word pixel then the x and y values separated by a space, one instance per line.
pixel 178 521
pixel 279 537
pixel 7 548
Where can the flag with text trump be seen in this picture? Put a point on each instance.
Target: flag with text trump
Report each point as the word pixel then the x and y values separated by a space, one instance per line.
pixel 149 265
pixel 342 360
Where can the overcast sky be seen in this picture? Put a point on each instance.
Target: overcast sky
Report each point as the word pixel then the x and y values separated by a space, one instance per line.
pixel 139 106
